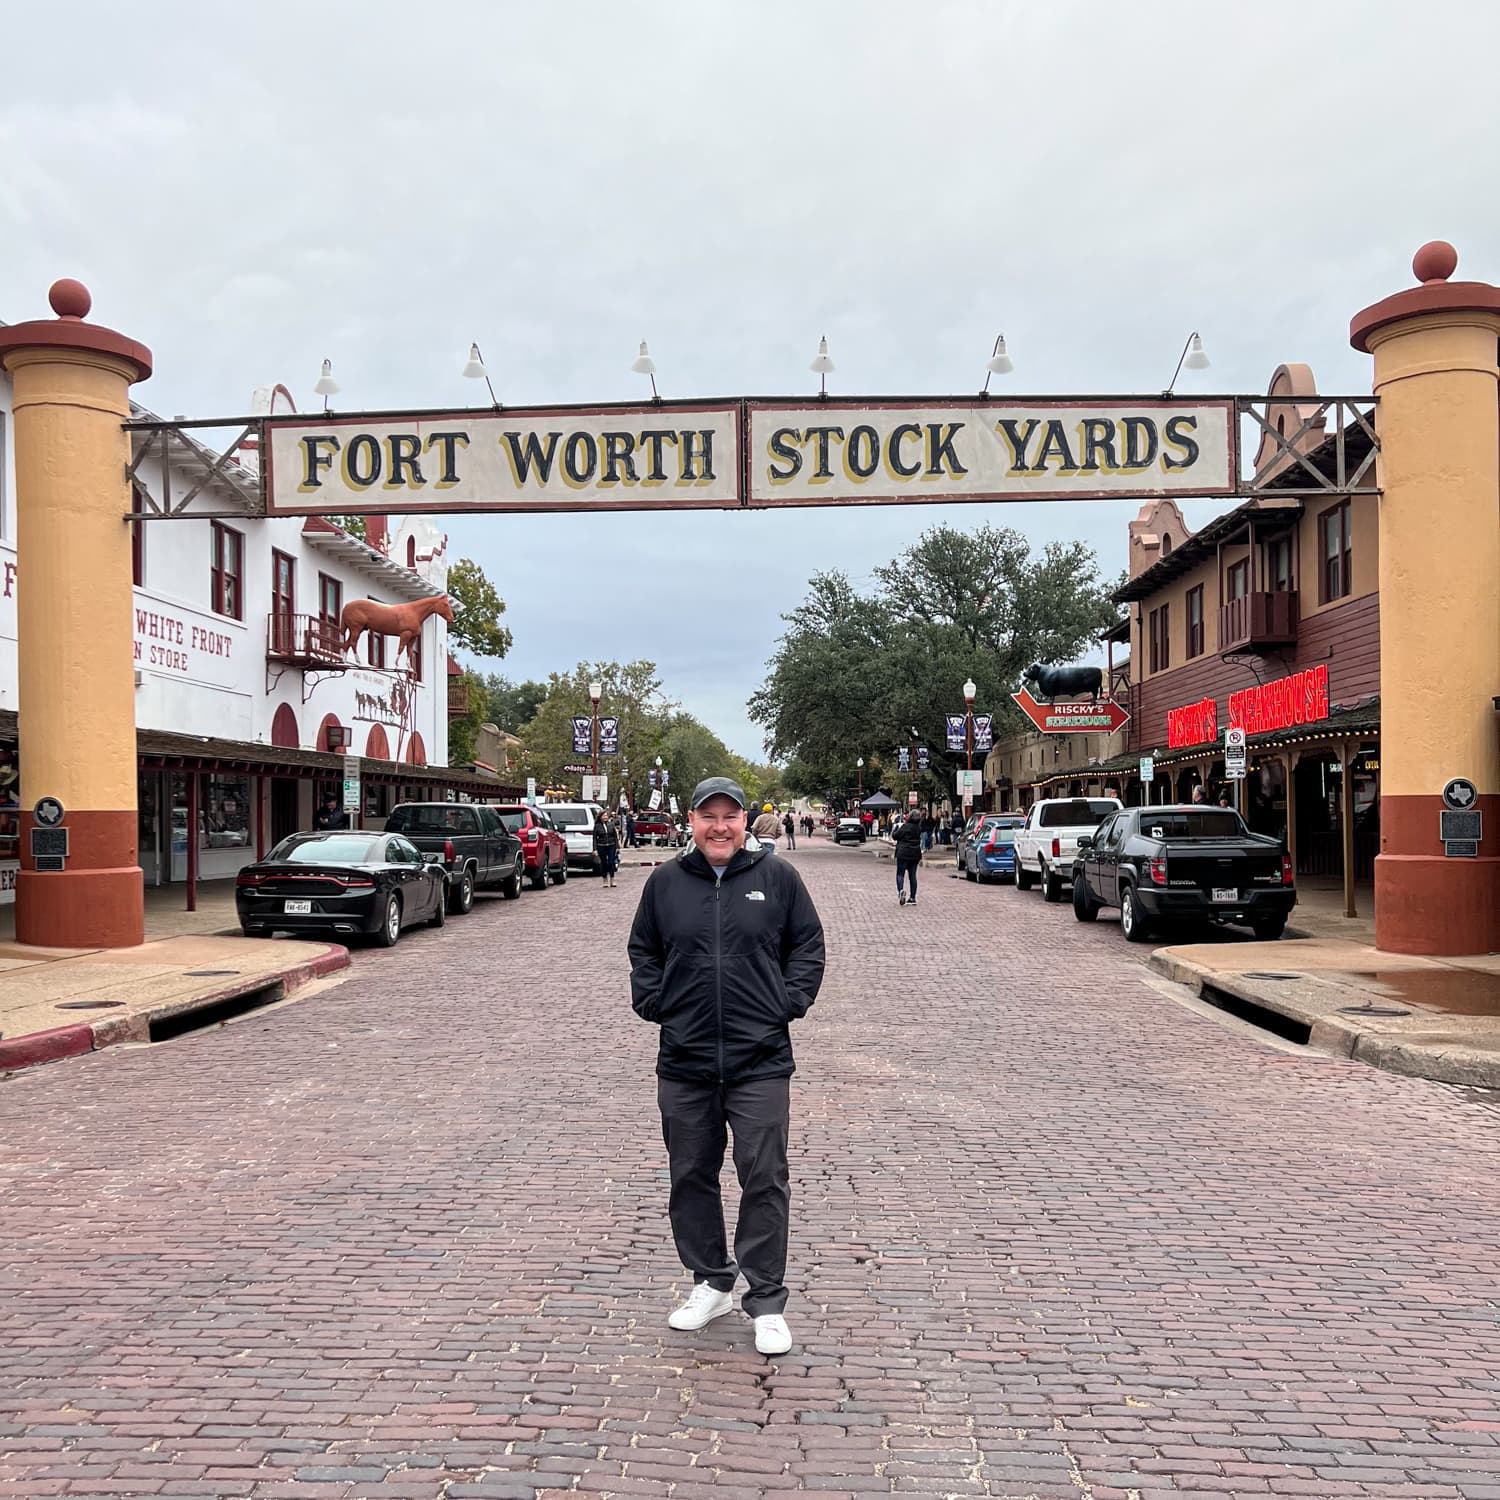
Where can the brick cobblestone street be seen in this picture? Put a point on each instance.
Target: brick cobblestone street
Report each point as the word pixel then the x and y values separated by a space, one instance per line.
pixel 1054 1235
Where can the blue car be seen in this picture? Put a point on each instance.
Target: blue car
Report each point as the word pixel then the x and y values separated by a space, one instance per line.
pixel 991 852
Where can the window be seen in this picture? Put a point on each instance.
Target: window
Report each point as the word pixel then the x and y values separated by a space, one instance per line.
pixel 225 813
pixel 1279 565
pixel 1195 622
pixel 377 647
pixel 1159 656
pixel 1239 579
pixel 330 598
pixel 411 553
pixel 1334 550
pixel 226 573
pixel 1166 543
pixel 414 656
pixel 283 599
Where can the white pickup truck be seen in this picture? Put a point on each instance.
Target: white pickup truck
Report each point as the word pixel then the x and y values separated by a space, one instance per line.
pixel 1046 843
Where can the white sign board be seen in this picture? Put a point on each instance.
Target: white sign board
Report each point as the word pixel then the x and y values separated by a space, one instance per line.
pixel 872 451
pixel 1148 768
pixel 1234 754
pixel 911 799
pixel 351 783
pixel 596 788
pixel 672 455
pixel 655 801
pixel 531 789
pixel 672 804
pixel 970 783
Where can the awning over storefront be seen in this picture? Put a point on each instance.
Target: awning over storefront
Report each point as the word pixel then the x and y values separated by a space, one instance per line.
pixel 161 750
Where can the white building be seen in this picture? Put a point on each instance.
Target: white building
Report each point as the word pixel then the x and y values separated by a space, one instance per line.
pixel 246 703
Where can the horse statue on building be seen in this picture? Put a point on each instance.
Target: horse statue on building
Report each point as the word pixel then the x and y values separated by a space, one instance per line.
pixel 404 621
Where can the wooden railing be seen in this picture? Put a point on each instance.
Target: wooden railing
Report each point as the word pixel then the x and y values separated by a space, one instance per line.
pixel 305 641
pixel 1258 620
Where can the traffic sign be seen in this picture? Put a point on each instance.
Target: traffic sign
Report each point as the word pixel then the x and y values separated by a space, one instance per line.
pixel 1148 768
pixel 1460 794
pixel 1087 717
pixel 1234 753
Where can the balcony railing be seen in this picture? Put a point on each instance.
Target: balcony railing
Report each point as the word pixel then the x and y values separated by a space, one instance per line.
pixel 458 697
pixel 306 641
pixel 1255 622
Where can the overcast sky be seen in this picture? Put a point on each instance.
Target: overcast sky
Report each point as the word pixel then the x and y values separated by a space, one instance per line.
pixel 250 190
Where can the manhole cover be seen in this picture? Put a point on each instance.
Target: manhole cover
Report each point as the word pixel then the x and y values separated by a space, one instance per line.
pixel 1267 974
pixel 1372 1010
pixel 208 973
pixel 88 1004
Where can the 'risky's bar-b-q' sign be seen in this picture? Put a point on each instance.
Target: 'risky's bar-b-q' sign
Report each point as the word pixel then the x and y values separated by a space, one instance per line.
pixel 909 451
pixel 666 455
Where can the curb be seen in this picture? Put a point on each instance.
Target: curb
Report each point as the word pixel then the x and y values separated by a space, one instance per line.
pixel 1436 1056
pixel 93 1036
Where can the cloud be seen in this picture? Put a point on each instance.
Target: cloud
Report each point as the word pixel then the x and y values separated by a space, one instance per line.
pixel 382 185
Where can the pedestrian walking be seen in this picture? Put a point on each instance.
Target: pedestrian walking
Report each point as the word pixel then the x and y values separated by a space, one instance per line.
pixel 630 839
pixel 908 857
pixel 789 823
pixel 725 952
pixel 929 827
pixel 957 827
pixel 607 848
pixel 768 828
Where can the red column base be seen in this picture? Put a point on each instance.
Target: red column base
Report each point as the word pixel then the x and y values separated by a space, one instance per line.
pixel 98 901
pixel 81 908
pixel 1429 904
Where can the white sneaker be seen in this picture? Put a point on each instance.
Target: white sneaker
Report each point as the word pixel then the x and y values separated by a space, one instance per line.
pixel 704 1304
pixel 772 1336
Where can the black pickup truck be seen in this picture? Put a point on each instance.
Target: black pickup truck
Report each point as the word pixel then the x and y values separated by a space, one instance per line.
pixel 1162 865
pixel 476 848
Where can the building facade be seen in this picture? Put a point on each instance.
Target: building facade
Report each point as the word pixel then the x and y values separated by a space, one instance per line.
pixel 246 703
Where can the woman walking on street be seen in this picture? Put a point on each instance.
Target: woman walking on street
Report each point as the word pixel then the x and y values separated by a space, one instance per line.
pixel 607 847
pixel 908 857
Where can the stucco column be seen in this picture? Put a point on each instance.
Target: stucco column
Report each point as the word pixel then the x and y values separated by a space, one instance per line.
pixel 71 382
pixel 1437 379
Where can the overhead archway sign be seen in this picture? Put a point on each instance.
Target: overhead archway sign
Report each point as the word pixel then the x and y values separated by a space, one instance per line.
pixel 748 453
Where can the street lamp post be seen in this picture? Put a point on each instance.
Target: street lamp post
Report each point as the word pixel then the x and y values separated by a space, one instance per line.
pixel 594 693
pixel 659 786
pixel 859 767
pixel 969 691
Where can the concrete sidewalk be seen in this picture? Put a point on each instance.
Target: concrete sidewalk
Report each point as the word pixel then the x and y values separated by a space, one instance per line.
pixel 60 1002
pixel 1425 1017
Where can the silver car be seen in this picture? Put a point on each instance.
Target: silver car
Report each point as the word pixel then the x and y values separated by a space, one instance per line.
pixel 575 821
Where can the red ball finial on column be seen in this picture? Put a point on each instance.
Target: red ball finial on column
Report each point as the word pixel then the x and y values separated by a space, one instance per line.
pixel 69 298
pixel 1437 260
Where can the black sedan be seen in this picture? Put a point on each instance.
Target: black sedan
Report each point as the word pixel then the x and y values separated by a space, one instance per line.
pixel 371 883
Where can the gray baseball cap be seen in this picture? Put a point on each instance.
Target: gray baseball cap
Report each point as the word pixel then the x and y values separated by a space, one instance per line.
pixel 716 786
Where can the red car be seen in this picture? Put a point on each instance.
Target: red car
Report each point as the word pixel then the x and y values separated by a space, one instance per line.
pixel 655 828
pixel 545 848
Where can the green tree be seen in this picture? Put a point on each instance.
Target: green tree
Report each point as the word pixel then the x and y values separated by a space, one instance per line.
pixel 855 676
pixel 631 692
pixel 477 608
pixel 510 705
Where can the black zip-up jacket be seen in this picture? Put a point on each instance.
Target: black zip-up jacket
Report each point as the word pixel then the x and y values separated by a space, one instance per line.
pixel 724 965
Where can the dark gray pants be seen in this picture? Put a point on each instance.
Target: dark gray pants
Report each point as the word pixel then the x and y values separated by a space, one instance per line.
pixel 695 1119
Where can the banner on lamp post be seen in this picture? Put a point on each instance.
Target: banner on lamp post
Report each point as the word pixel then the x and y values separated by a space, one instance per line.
pixel 583 736
pixel 955 731
pixel 609 736
pixel 922 758
pixel 903 758
pixel 984 735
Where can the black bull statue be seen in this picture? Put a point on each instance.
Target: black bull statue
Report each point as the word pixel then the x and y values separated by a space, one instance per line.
pixel 1066 682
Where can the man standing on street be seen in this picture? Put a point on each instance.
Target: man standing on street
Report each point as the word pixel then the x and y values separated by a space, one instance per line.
pixel 725 952
pixel 790 824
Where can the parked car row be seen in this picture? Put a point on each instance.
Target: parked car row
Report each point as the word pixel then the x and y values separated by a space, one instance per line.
pixel 1161 867
pixel 424 866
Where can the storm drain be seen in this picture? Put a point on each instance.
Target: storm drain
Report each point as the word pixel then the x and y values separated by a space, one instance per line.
pixel 88 1005
pixel 1268 974
pixel 1285 1027
pixel 169 1028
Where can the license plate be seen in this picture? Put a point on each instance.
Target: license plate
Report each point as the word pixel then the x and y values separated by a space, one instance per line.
pixel 1220 894
pixel 297 908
